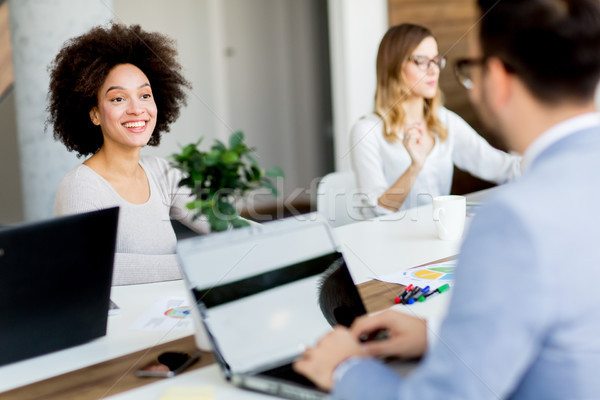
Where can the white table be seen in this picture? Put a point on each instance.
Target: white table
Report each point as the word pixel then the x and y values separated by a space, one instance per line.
pixel 371 248
pixel 133 300
pixel 397 241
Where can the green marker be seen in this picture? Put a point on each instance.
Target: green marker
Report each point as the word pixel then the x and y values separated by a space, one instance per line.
pixel 441 289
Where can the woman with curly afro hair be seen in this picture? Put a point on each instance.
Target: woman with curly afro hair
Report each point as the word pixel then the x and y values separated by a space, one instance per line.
pixel 114 90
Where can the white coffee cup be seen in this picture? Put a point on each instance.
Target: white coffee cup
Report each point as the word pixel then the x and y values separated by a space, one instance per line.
pixel 449 213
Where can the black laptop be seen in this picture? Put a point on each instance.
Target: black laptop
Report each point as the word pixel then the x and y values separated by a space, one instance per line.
pixel 265 293
pixel 55 280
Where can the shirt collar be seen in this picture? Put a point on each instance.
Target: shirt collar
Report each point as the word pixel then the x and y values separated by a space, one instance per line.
pixel 557 132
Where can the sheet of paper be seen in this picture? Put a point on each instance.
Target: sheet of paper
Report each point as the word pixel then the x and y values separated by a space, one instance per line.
pixel 433 275
pixel 166 314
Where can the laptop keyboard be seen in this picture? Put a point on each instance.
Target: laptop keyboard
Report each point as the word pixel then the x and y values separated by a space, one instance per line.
pixel 287 373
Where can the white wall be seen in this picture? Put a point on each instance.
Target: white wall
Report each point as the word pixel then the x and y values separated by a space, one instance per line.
pixel 356 28
pixel 188 22
pixel 252 67
pixel 273 77
pixel 38 30
pixel 234 48
pixel 292 131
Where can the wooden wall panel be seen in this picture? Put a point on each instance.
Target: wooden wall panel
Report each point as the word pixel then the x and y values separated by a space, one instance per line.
pixel 450 21
pixel 6 68
pixel 433 11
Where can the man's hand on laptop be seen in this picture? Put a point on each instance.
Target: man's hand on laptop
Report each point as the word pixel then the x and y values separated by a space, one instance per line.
pixel 318 363
pixel 407 335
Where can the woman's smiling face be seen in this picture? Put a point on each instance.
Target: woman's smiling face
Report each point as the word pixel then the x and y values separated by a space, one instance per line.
pixel 126 111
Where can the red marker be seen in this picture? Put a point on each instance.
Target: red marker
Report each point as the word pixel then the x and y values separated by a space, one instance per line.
pixel 407 289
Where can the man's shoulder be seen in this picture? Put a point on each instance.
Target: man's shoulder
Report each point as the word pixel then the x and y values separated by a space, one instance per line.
pixel 576 145
pixel 553 184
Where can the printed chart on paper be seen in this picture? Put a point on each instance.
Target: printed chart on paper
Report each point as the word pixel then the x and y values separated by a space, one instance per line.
pixel 433 275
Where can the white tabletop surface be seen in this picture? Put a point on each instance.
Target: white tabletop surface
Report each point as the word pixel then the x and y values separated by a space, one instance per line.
pixel 394 242
pixel 133 301
pixel 371 248
pixel 207 377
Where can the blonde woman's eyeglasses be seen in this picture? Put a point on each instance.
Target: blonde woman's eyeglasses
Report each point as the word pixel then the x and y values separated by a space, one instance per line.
pixel 424 62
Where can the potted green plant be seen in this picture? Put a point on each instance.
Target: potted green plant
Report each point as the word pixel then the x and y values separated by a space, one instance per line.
pixel 221 176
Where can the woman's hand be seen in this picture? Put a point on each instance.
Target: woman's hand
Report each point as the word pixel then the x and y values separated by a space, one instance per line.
pixel 407 335
pixel 319 362
pixel 417 142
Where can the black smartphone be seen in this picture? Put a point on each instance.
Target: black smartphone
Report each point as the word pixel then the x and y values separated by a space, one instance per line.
pixel 168 365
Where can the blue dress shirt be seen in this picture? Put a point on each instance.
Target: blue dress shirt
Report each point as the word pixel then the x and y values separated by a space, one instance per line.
pixel 524 320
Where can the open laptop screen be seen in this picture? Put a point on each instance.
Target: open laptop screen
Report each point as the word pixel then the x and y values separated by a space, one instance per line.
pixel 55 281
pixel 281 288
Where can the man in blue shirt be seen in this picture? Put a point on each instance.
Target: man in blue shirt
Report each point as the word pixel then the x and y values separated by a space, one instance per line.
pixel 524 319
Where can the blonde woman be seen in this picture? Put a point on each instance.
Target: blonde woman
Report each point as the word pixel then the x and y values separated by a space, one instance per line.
pixel 404 152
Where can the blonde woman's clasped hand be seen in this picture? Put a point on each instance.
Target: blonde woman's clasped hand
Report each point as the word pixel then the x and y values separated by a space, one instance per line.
pixel 418 142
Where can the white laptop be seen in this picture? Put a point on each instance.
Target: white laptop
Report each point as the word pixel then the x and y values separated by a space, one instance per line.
pixel 265 293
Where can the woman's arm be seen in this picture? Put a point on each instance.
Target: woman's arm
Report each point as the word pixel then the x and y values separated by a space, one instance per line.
pixel 132 269
pixel 393 198
pixel 475 155
pixel 176 197
pixel 181 213
pixel 369 165
pixel 366 158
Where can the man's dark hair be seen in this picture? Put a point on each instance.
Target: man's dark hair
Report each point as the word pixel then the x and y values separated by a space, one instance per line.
pixel 339 303
pixel 81 66
pixel 552 45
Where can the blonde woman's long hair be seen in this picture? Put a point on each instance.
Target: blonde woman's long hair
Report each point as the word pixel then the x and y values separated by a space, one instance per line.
pixel 394 50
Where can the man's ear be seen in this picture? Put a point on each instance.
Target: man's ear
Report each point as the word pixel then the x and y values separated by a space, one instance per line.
pixel 499 81
pixel 94 116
